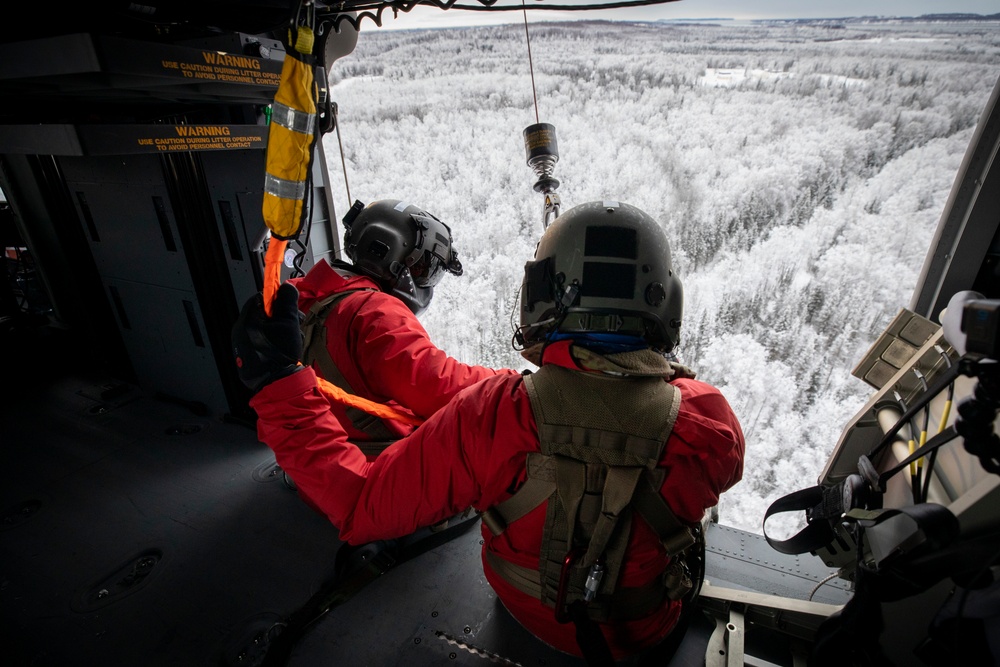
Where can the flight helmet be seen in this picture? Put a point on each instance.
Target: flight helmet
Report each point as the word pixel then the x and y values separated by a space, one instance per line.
pixel 602 269
pixel 404 248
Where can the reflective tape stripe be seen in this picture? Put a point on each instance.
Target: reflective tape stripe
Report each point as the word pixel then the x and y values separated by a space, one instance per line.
pixel 284 189
pixel 292 119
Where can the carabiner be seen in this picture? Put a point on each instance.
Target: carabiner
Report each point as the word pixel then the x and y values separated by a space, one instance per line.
pixel 562 614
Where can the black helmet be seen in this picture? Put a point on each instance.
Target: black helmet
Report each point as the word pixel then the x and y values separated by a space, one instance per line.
pixel 602 268
pixel 404 248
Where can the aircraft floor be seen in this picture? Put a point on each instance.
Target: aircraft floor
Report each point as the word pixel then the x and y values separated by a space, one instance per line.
pixel 136 533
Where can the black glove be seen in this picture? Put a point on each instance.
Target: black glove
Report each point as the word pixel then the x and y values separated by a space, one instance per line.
pixel 268 348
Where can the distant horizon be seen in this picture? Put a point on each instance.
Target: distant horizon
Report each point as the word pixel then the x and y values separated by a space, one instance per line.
pixel 517 19
pixel 715 10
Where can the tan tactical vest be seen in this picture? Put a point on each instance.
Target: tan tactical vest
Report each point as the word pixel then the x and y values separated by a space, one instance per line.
pixel 315 350
pixel 601 438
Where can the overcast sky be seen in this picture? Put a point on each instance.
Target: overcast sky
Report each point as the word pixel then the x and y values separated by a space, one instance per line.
pixel 424 17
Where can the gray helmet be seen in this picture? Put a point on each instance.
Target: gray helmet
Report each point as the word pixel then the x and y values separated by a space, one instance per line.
pixel 404 248
pixel 602 268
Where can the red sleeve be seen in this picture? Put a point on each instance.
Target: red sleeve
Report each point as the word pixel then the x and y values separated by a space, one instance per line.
pixel 466 455
pixel 705 450
pixel 390 346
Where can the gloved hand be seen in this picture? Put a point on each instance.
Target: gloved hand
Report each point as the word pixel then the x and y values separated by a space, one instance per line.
pixel 268 348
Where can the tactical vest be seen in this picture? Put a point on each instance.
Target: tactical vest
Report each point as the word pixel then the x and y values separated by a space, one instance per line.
pixel 601 438
pixel 315 350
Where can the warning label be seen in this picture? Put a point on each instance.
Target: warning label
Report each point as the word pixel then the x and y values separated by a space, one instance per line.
pixel 204 138
pixel 197 66
pixel 215 66
pixel 126 139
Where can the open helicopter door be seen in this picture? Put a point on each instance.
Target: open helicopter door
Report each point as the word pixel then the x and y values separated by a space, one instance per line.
pixel 908 505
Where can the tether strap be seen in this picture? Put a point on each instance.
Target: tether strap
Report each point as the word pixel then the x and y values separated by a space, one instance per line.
pixel 819 533
pixel 937 522
pixel 378 558
pixel 589 637
pixel 942 438
pixel 815 535
pixel 314 333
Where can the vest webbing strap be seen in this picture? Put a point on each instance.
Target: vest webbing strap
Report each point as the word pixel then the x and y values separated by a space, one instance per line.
pixel 626 603
pixel 601 438
pixel 618 490
pixel 674 535
pixel 539 485
pixel 315 350
pixel 541 482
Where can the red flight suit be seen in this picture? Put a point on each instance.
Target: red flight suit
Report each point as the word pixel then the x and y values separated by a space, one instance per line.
pixel 472 453
pixel 382 350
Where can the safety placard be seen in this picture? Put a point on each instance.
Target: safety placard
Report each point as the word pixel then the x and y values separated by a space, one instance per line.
pixel 225 67
pixel 189 65
pixel 127 139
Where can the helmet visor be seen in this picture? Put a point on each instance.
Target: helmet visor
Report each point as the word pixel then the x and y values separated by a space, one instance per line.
pixel 433 255
pixel 427 271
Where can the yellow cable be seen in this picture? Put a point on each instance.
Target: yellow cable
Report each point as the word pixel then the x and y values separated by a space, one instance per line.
pixel 945 415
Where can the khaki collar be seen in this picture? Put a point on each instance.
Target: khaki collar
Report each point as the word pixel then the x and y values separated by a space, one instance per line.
pixel 643 363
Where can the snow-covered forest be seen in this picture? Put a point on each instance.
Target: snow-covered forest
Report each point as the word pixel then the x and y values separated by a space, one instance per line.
pixel 799 172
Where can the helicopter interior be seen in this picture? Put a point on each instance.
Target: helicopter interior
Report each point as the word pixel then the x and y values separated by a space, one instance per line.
pixel 143 522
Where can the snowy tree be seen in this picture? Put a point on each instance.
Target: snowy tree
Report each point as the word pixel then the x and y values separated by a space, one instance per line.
pixel 798 171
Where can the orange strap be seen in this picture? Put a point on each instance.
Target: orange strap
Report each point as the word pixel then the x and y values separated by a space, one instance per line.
pixel 335 393
pixel 272 270
pixel 272 281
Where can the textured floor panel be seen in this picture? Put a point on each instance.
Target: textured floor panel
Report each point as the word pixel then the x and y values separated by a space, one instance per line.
pixel 137 533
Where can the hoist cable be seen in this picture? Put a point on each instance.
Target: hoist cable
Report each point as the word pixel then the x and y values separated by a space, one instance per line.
pixel 340 144
pixel 531 65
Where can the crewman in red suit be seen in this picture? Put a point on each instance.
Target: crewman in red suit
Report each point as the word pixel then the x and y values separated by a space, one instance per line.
pixel 593 473
pixel 361 328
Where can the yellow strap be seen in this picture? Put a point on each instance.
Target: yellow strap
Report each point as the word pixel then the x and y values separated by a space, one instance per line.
pixel 304 40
